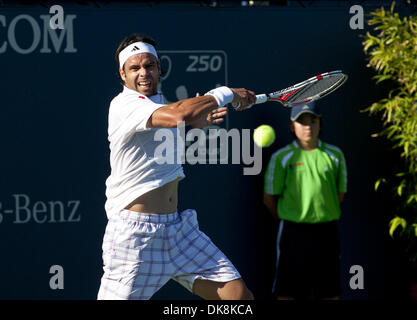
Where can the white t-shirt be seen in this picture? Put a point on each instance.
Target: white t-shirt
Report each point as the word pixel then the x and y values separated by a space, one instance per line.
pixel 134 167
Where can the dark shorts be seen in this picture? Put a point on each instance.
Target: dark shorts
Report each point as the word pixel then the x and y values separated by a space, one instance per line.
pixel 308 260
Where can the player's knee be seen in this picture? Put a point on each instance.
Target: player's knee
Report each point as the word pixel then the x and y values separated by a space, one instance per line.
pixel 240 292
pixel 247 295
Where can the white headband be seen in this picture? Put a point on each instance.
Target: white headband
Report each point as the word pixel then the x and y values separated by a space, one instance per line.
pixel 135 48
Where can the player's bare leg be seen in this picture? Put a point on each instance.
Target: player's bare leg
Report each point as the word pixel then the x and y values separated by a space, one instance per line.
pixel 212 290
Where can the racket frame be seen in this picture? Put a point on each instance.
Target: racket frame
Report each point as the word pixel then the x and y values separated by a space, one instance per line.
pixel 282 95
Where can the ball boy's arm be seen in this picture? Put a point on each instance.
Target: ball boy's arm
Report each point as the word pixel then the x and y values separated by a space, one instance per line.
pixel 341 196
pixel 271 203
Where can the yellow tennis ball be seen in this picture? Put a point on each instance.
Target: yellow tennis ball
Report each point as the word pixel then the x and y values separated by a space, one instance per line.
pixel 264 136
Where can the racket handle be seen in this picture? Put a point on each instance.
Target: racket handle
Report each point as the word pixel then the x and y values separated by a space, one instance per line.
pixel 260 98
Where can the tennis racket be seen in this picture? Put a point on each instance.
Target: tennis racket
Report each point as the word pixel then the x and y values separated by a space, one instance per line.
pixel 309 90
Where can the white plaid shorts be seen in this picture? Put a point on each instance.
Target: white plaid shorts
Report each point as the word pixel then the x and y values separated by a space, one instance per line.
pixel 142 251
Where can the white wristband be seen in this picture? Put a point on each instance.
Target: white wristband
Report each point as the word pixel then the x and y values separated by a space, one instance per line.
pixel 223 95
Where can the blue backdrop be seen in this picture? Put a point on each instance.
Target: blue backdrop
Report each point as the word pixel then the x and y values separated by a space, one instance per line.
pixel 56 87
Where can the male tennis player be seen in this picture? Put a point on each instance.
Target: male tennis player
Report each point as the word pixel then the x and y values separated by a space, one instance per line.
pixel 147 242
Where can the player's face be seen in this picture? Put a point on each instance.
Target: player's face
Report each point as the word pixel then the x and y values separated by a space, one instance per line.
pixel 141 73
pixel 307 127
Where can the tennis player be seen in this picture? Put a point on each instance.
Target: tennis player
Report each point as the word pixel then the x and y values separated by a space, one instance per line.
pixel 147 242
pixel 305 183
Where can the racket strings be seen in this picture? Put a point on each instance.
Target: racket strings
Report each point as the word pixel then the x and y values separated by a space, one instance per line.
pixel 318 87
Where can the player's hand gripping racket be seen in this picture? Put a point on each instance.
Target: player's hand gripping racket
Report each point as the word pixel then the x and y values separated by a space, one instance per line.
pixel 309 90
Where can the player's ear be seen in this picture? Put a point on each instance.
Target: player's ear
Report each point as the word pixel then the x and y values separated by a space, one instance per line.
pixel 159 68
pixel 158 65
pixel 122 74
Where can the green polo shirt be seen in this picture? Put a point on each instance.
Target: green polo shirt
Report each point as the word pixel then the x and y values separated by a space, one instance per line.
pixel 307 182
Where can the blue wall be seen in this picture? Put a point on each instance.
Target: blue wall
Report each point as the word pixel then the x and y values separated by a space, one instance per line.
pixel 55 155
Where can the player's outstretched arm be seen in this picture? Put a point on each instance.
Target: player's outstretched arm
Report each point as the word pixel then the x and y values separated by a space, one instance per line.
pixel 187 110
pixel 192 110
pixel 215 116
